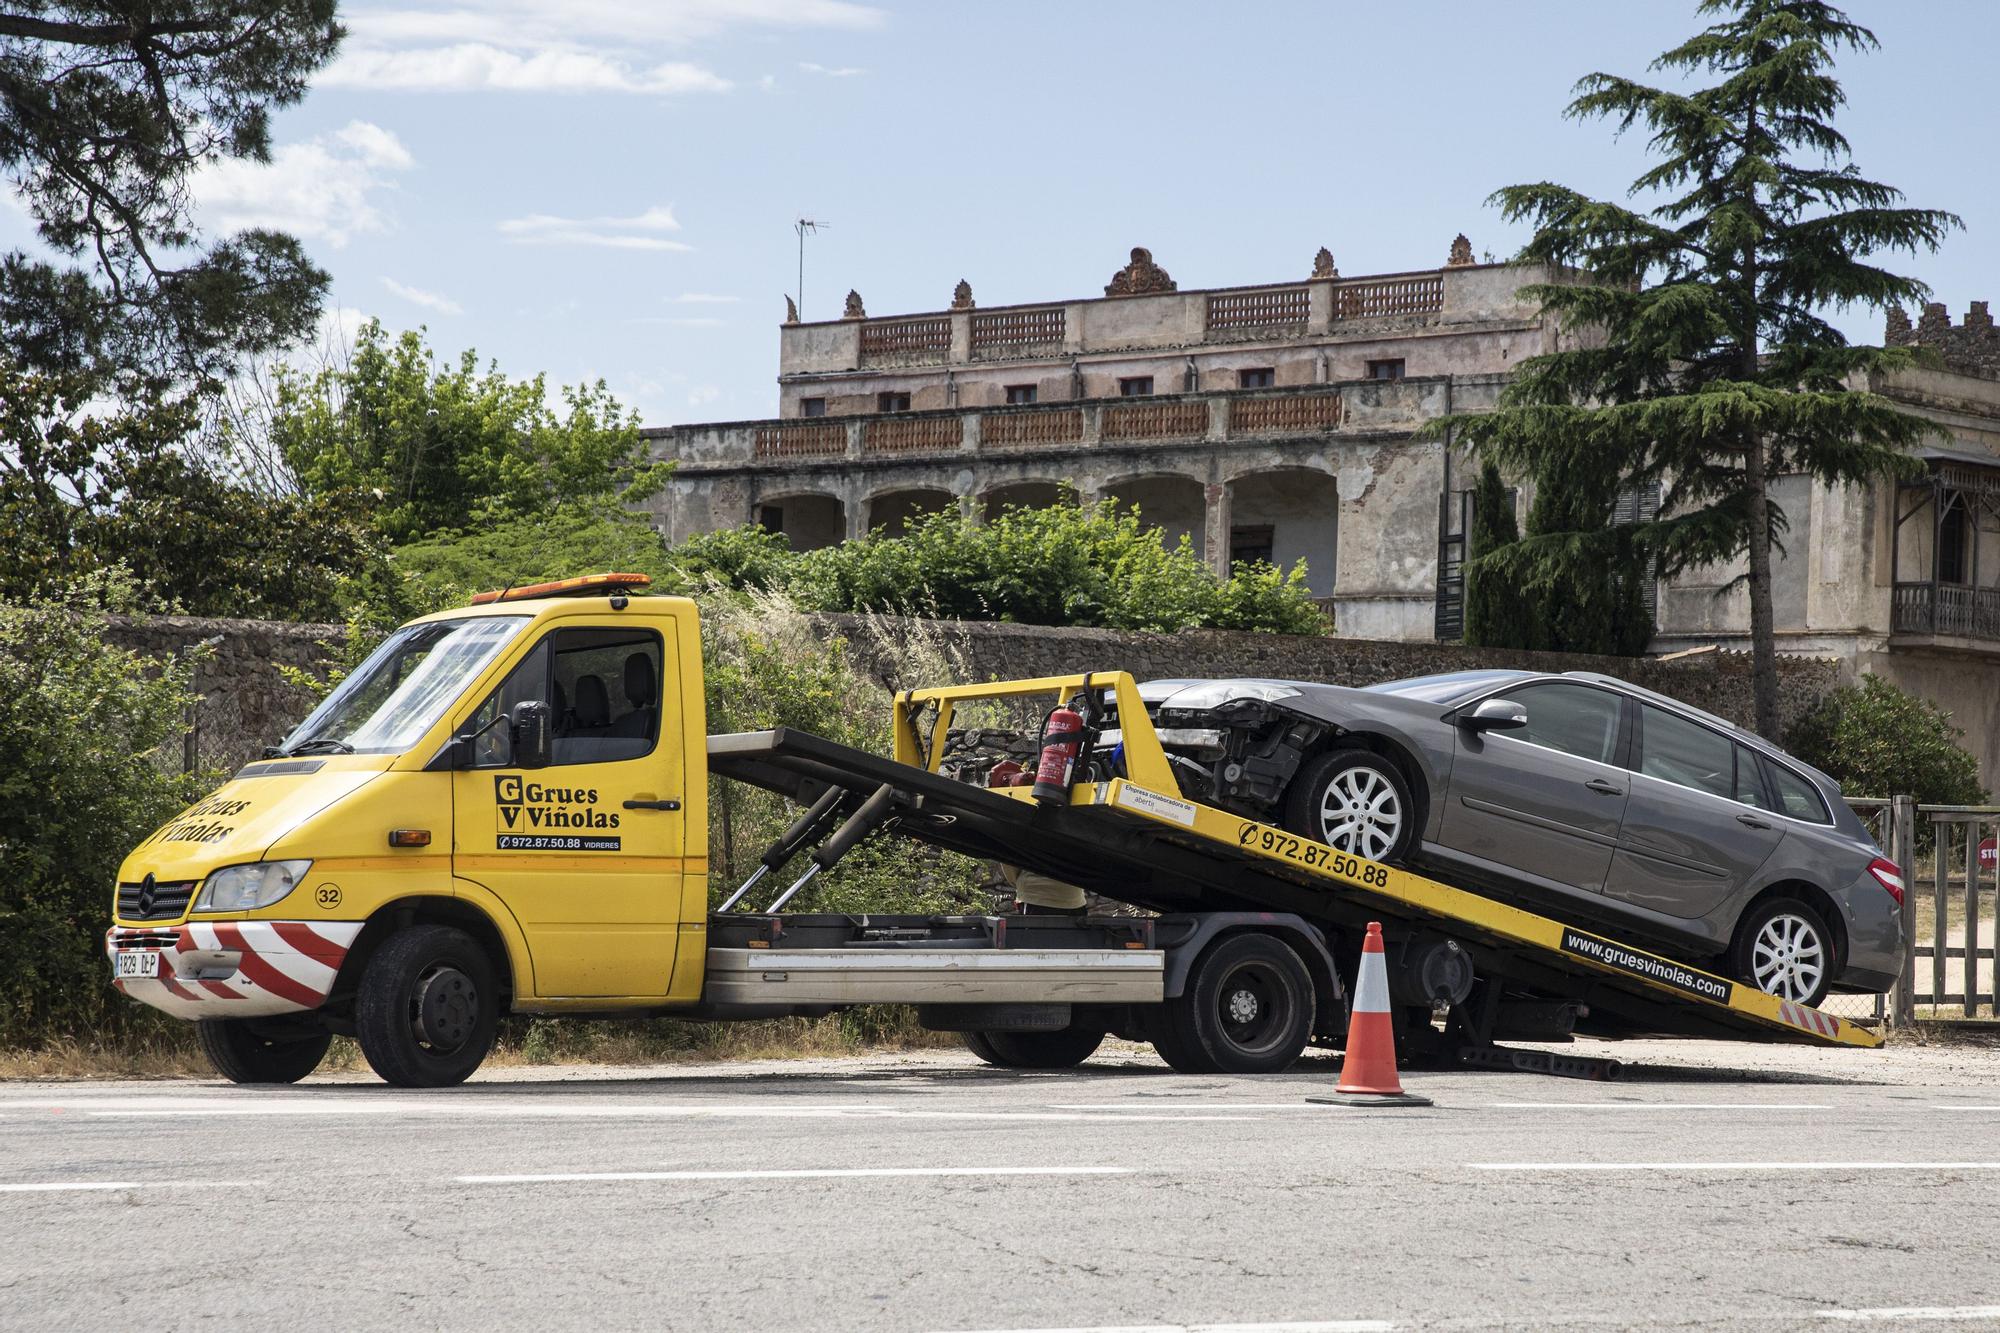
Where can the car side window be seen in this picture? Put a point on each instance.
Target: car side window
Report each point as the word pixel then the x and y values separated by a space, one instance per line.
pixel 1749 786
pixel 1797 797
pixel 1574 719
pixel 1673 749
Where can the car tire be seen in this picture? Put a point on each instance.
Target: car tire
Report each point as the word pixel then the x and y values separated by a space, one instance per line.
pixel 1062 1049
pixel 1784 947
pixel 1354 801
pixel 427 1008
pixel 248 1050
pixel 1248 1009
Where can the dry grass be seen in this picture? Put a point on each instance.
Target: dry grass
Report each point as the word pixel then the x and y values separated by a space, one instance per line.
pixel 528 1042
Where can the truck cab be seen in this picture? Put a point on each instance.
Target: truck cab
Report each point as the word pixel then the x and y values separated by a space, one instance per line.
pixel 503 809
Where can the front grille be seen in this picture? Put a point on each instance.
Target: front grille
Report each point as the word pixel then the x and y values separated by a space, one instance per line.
pixel 152 900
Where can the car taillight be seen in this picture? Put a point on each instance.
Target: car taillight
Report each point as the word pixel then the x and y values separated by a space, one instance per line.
pixel 1889 875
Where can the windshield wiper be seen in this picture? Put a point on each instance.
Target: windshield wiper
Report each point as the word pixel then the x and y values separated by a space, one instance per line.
pixel 320 745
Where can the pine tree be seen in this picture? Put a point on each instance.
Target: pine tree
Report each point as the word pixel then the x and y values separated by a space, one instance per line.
pixel 1706 364
pixel 1493 608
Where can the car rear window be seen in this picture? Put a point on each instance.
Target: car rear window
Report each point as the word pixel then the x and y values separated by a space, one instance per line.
pixel 1798 797
pixel 1673 749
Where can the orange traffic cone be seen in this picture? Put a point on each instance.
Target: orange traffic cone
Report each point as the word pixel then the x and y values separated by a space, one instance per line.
pixel 1368 1069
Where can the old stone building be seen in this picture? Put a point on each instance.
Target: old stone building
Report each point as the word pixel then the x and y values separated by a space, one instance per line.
pixel 1287 421
pixel 1901 578
pixel 1279 421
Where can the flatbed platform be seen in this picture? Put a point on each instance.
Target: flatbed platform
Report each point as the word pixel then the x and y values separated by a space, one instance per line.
pixel 1136 840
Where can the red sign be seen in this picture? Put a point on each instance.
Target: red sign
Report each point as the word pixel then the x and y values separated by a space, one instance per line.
pixel 1986 853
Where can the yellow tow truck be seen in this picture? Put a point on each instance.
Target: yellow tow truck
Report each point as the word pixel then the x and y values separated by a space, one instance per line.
pixel 504 810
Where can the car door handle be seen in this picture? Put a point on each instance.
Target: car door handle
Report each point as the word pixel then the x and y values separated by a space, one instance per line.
pixel 1603 788
pixel 652 805
pixel 1751 821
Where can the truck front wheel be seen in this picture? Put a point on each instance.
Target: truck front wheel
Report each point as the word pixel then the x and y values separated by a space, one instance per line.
pixel 427 1008
pixel 1248 1009
pixel 250 1050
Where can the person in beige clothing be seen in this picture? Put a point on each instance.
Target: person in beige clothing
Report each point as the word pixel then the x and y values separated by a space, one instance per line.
pixel 1039 895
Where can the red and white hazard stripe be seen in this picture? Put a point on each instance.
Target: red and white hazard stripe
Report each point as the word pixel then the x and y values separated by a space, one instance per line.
pixel 1812 1020
pixel 235 969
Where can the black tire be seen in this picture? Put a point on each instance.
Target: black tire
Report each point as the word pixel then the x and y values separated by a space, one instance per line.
pixel 977 1043
pixel 1340 779
pixel 1063 1049
pixel 1248 1009
pixel 1788 938
pixel 427 1008
pixel 248 1050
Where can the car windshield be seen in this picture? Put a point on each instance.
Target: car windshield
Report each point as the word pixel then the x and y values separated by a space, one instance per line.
pixel 1448 688
pixel 394 697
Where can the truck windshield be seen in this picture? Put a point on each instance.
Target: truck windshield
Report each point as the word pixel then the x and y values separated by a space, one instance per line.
pixel 394 697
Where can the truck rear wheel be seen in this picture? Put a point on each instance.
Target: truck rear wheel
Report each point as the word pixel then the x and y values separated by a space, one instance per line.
pixel 1064 1049
pixel 249 1050
pixel 1248 1009
pixel 427 1008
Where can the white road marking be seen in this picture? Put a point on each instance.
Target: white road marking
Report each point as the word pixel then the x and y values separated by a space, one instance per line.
pixel 1660 1106
pixel 1894 1313
pixel 51 1187
pixel 1319 1325
pixel 804 1173
pixel 1960 1106
pixel 1316 1326
pixel 1158 1105
pixel 1735 1166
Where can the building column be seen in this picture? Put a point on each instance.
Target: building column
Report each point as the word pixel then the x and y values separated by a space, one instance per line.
pixel 1215 527
pixel 855 511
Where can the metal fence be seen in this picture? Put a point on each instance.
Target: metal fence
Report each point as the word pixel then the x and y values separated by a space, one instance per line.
pixel 1951 884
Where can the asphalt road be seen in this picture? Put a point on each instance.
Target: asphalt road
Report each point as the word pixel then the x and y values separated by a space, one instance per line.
pixel 1782 1189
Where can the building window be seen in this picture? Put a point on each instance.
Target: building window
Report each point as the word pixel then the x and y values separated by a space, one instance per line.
pixel 1020 393
pixel 1954 541
pixel 1263 377
pixel 892 402
pixel 1386 370
pixel 771 518
pixel 812 407
pixel 1135 386
pixel 1249 546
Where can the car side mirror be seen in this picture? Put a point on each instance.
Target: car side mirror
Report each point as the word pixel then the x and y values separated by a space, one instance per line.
pixel 528 727
pixel 1495 715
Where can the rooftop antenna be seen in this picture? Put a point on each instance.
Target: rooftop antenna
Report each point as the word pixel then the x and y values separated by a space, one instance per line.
pixel 802 227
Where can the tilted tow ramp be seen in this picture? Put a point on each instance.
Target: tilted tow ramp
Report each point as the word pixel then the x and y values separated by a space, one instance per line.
pixel 1135 839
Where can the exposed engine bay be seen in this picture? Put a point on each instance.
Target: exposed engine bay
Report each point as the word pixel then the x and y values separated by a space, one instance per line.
pixel 1231 744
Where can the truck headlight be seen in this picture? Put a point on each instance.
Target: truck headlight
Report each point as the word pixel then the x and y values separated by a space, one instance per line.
pixel 246 888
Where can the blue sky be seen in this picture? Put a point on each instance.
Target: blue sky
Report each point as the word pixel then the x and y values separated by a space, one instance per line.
pixel 594 189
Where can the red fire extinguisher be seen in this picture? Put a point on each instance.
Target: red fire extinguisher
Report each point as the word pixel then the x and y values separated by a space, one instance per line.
pixel 1062 737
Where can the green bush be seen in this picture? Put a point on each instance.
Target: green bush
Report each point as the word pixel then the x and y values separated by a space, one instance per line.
pixel 81 727
pixel 1877 740
pixel 1061 565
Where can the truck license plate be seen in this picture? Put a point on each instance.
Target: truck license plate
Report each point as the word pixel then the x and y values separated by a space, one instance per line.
pixel 138 964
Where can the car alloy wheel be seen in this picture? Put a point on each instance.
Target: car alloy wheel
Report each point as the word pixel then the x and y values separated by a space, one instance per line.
pixel 1788 958
pixel 1361 812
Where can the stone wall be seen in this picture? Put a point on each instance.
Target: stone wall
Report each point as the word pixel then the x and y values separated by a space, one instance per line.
pixel 1716 681
pixel 246 703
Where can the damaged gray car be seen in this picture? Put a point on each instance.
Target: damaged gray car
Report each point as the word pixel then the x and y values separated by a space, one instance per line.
pixel 1577 795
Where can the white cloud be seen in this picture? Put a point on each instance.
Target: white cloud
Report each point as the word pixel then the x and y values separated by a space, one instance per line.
pixel 323 188
pixel 679 321
pixel 639 232
pixel 561 45
pixel 475 65
pixel 706 393
pixel 769 83
pixel 429 300
pixel 831 72
pixel 703 298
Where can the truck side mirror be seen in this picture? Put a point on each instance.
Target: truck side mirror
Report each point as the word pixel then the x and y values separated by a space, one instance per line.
pixel 1495 715
pixel 528 727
